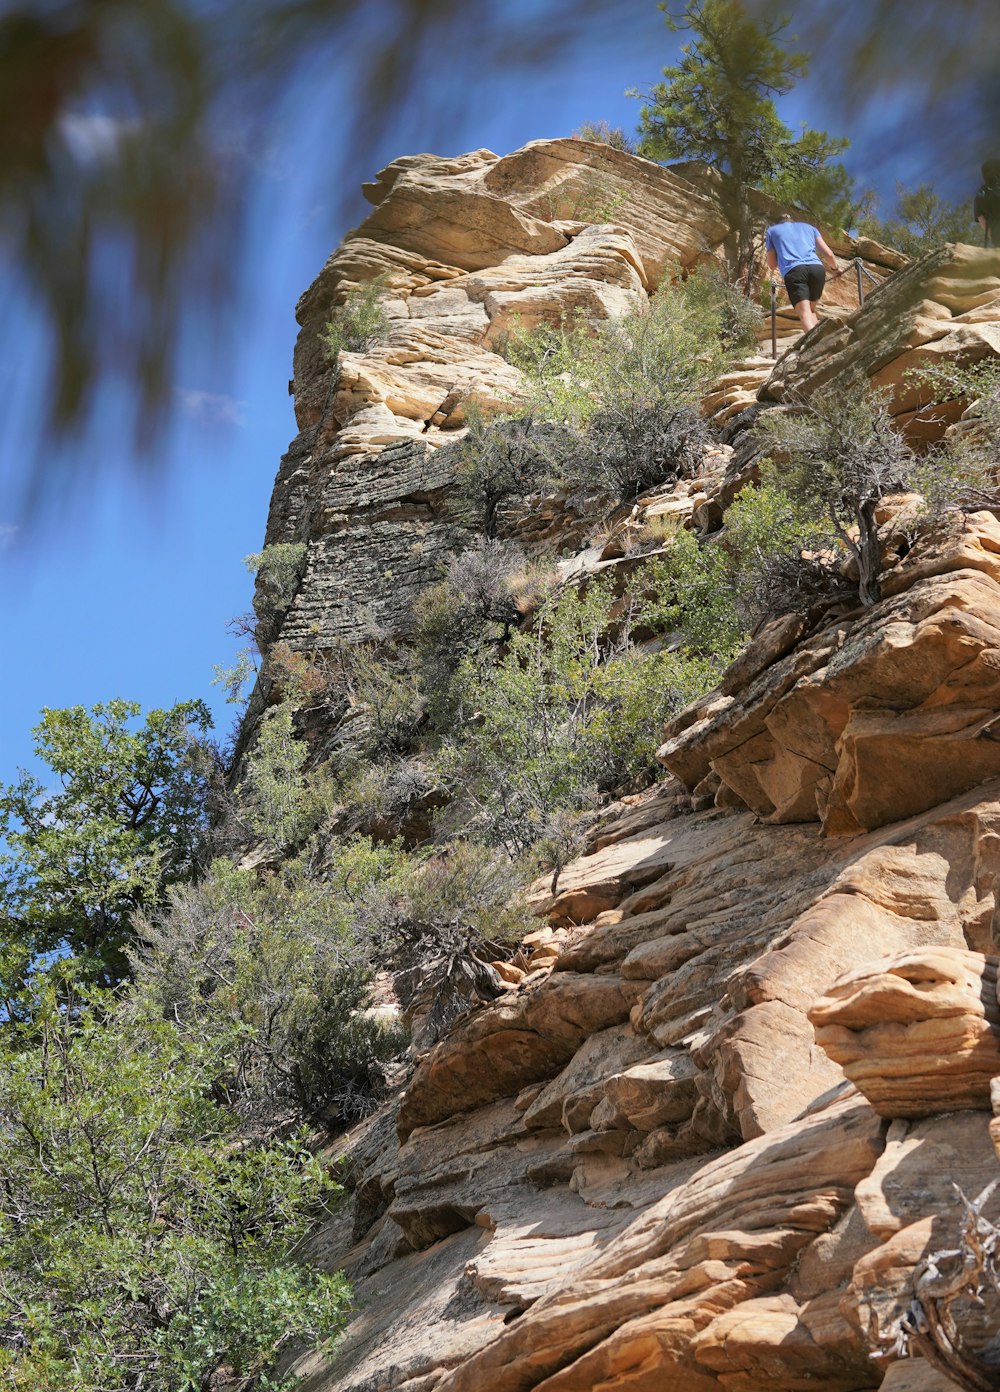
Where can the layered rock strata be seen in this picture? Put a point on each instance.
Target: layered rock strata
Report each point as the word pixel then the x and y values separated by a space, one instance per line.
pixel 876 714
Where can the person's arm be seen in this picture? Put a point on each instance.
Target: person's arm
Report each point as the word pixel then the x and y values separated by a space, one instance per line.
pixel 826 256
pixel 772 259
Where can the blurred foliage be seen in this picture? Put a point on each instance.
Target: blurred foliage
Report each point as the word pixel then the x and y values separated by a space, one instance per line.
pixel 129 132
pixel 921 220
pixel 932 63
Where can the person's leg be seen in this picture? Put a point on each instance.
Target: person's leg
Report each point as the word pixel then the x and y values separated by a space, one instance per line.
pixel 806 311
pixel 803 291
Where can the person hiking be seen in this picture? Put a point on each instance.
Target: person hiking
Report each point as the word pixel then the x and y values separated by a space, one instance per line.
pixel 798 251
pixel 986 205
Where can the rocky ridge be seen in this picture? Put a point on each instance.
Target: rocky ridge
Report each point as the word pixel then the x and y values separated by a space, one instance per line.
pixel 710 1137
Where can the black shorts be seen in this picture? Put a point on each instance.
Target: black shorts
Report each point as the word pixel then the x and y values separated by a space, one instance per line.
pixel 805 282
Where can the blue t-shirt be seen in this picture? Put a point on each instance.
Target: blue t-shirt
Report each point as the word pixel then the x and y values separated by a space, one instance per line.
pixel 794 244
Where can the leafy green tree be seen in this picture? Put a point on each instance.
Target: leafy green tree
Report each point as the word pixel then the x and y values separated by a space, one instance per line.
pixel 118 819
pixel 922 220
pixel 146 1243
pixel 717 105
pixel 812 178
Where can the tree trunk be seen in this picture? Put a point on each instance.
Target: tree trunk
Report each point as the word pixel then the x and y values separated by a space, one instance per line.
pixel 869 555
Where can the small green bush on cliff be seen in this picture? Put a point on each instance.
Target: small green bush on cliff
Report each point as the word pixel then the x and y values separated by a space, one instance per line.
pixel 359 322
pixel 570 710
pixel 622 398
pixel 276 802
pixel 601 133
pixel 500 458
pixel 841 455
pixel 439 920
pixel 964 472
pixel 467 615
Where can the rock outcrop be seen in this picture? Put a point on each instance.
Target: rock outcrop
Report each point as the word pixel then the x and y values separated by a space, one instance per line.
pixel 465 247
pixel 706 1138
pixel 944 307
pixel 877 714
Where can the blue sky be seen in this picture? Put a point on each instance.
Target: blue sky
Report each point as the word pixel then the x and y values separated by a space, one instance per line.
pixel 123 587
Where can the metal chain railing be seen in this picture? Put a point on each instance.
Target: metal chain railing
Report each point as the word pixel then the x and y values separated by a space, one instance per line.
pixel 862 271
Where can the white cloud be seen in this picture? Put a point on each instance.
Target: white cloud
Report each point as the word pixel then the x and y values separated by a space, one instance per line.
pixel 93 137
pixel 212 408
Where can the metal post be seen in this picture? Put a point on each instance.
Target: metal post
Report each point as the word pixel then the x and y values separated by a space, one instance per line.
pixel 861 285
pixel 774 319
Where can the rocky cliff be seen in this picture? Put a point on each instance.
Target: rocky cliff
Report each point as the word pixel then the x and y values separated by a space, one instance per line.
pixel 719 1129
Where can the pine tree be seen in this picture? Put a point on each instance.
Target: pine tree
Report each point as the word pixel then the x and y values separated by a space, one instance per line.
pixel 717 104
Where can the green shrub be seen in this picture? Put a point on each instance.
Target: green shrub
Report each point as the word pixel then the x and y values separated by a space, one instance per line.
pixel 772 557
pixel 601 133
pixel 690 591
pixel 384 684
pixel 571 709
pixel 723 308
pixel 622 398
pixel 278 569
pixel 506 457
pixel 359 322
pixel 146 1243
pixel 466 615
pixel 276 802
pixel 964 471
pixel 841 454
pixel 287 957
pixel 439 919
pixel 392 798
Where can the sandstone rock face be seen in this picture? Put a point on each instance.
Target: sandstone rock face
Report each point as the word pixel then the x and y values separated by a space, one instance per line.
pixel 640 1170
pixel 878 714
pixel 464 246
pixel 917 1034
pixel 707 1137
